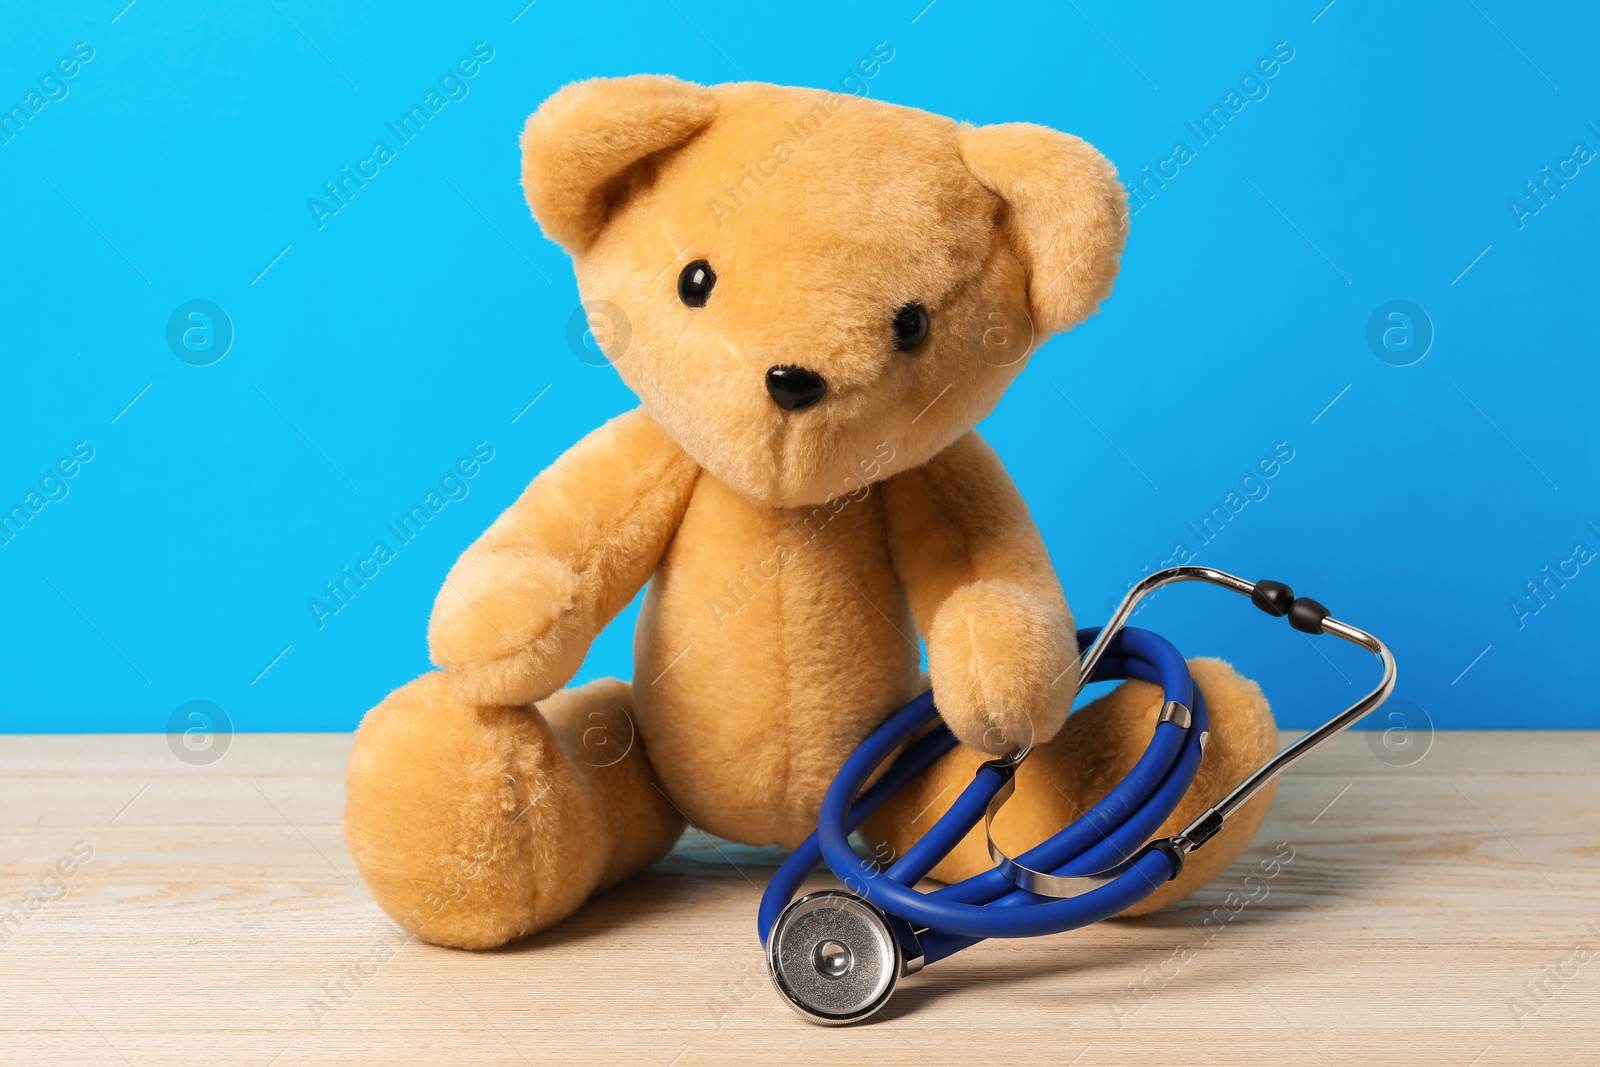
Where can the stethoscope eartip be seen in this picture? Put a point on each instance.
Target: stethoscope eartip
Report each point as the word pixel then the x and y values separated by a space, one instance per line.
pixel 836 958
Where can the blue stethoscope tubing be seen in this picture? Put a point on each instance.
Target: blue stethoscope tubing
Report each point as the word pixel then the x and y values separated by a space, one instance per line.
pixel 989 904
pixel 1101 864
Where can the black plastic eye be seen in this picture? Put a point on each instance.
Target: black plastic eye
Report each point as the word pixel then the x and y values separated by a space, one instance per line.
pixel 910 326
pixel 694 284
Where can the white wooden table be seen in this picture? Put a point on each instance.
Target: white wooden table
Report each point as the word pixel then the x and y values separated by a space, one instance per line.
pixel 1442 913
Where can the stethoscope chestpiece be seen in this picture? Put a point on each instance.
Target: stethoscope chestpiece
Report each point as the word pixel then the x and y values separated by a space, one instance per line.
pixel 836 958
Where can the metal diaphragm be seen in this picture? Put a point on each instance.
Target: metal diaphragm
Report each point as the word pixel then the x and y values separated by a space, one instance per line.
pixel 835 957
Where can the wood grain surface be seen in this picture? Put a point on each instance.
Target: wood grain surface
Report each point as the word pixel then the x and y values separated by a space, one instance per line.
pixel 1444 912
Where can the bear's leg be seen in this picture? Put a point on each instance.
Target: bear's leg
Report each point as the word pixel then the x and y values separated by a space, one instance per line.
pixel 475 825
pixel 1081 764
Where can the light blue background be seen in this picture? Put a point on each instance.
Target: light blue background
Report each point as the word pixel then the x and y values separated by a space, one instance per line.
pixel 429 312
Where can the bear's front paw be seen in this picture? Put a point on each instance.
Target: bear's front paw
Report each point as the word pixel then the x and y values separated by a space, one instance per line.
pixel 507 627
pixel 1004 667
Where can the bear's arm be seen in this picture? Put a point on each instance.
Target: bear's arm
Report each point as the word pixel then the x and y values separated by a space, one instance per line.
pixel 520 607
pixel 1002 650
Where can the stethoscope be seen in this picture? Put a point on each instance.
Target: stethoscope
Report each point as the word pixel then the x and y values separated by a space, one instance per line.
pixel 836 956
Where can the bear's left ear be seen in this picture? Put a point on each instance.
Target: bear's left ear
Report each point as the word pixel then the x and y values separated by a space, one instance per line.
pixel 582 146
pixel 1066 215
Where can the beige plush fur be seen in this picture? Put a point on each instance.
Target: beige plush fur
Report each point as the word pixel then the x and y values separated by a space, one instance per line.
pixel 793 557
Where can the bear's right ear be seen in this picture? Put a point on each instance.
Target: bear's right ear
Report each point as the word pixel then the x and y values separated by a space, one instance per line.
pixel 582 145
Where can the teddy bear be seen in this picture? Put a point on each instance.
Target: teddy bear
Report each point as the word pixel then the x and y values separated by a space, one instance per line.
pixel 815 296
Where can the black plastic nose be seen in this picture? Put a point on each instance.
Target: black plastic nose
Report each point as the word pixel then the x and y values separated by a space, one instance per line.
pixel 794 388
